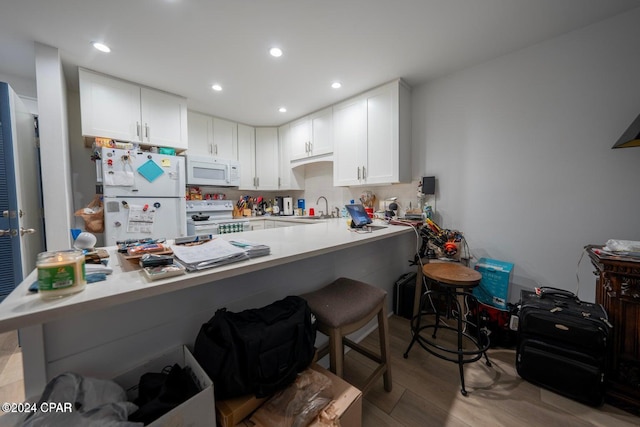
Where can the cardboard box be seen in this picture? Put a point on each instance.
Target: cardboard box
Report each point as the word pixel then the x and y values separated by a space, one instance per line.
pixel 231 412
pixel 347 401
pixel 346 405
pixel 197 411
pixel 494 285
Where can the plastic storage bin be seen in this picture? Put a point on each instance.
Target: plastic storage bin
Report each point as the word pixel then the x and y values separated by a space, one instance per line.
pixel 494 285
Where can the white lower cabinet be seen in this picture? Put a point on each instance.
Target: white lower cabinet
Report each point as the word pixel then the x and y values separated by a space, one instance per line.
pixel 257 224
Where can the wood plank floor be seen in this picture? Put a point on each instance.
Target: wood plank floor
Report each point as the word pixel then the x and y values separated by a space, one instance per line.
pixel 426 390
pixel 11 382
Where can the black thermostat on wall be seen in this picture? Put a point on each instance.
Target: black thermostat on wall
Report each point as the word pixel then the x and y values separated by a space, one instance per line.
pixel 428 185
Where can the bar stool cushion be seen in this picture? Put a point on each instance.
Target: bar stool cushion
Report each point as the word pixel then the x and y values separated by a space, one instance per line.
pixel 343 302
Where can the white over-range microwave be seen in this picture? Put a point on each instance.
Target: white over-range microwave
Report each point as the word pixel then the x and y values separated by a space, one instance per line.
pixel 202 170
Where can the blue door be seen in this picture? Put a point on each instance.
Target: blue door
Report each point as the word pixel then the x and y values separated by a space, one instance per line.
pixel 10 261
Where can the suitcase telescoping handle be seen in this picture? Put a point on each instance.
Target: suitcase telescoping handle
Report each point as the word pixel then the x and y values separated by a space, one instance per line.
pixel 547 291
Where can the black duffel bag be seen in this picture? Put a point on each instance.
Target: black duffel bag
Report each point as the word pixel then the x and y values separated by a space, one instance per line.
pixel 257 351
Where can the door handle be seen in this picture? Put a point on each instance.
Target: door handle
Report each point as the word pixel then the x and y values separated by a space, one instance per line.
pixel 24 231
pixel 8 232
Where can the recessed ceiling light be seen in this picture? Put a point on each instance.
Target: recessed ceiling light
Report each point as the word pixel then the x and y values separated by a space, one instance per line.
pixel 275 51
pixel 101 47
pixel 336 85
pixel 216 87
pixel 282 110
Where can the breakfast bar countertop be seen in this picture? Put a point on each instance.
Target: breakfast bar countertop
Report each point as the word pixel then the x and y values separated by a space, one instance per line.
pixel 23 308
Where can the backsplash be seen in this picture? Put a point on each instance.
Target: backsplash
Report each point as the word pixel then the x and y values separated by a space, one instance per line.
pixel 319 182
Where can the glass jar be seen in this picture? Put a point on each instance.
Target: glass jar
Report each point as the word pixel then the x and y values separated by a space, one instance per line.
pixel 60 273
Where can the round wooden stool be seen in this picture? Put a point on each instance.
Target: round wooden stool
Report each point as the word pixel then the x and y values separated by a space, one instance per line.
pixel 343 307
pixel 454 282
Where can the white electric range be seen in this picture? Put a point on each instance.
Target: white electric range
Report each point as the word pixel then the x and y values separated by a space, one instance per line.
pixel 213 217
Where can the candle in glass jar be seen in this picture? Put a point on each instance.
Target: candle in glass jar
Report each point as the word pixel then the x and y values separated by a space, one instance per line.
pixel 60 273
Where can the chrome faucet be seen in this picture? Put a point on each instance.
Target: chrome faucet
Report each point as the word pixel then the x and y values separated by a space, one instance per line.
pixel 326 205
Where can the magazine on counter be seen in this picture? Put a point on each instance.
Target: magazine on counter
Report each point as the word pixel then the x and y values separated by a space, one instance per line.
pixel 213 253
pixel 251 248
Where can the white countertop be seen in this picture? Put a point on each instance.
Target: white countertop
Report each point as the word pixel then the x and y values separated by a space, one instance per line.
pixel 311 238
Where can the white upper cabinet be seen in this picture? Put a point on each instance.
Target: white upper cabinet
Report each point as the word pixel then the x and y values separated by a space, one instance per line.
pixel 312 135
pixel 211 136
pixel 372 137
pixel 300 136
pixel 164 118
pixel 113 108
pixel 322 132
pixel 200 134
pixel 247 156
pixel 267 158
pixel 350 140
pixel 109 107
pixel 225 139
pixel 290 178
pixel 258 156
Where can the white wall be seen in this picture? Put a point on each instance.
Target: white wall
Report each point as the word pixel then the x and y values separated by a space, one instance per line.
pixel 24 88
pixel 54 147
pixel 521 149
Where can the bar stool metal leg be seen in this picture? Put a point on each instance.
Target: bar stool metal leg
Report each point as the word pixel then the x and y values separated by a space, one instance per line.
pixel 453 308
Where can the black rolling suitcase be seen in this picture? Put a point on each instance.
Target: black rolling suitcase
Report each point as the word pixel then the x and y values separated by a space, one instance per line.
pixel 562 344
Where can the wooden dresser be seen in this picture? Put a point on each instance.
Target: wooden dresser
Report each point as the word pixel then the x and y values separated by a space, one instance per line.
pixel 618 290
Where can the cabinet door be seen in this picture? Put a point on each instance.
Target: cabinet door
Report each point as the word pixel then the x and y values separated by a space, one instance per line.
pixel 322 132
pixel 289 178
pixel 225 139
pixel 200 131
pixel 257 224
pixel 164 119
pixel 109 107
pixel 382 136
pixel 300 138
pixel 267 158
pixel 350 139
pixel 246 156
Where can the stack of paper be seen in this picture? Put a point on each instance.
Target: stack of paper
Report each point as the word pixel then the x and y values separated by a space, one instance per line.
pixel 252 249
pixel 210 254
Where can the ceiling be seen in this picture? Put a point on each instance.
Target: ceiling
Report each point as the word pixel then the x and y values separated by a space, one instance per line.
pixel 185 46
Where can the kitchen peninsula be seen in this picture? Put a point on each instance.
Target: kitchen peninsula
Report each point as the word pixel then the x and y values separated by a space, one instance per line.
pixel 119 323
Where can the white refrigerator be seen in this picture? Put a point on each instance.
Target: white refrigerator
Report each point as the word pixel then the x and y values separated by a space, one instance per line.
pixel 144 195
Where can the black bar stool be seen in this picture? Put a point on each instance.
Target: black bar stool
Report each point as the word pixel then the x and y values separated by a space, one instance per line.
pixel 452 283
